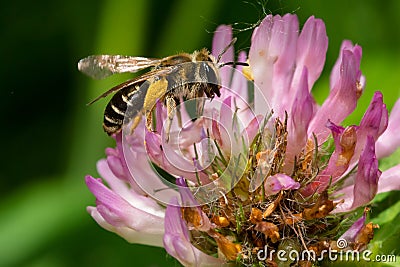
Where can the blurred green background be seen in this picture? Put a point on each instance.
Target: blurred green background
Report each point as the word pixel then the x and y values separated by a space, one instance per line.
pixel 51 139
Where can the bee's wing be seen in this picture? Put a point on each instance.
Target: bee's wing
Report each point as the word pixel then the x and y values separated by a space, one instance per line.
pixel 144 77
pixel 102 66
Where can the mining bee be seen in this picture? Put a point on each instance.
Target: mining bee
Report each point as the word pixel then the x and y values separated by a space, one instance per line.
pixel 171 79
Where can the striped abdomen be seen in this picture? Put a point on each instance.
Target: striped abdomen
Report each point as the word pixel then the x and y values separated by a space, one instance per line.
pixel 124 105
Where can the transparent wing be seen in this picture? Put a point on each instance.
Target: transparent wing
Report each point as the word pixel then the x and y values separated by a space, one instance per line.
pixel 144 77
pixel 102 66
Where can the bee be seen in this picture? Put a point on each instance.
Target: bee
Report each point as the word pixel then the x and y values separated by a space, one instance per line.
pixel 171 79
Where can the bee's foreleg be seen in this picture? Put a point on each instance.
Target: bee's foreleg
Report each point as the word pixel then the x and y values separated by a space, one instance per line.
pixel 178 111
pixel 199 106
pixel 135 123
pixel 171 109
pixel 149 120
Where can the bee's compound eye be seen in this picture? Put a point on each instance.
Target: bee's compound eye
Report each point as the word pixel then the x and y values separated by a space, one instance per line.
pixel 209 92
pixel 216 88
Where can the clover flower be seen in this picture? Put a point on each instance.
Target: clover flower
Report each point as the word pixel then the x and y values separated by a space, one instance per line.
pixel 264 168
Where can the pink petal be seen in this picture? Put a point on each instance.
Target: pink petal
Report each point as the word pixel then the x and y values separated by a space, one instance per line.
pixel 225 127
pixel 239 81
pixel 142 174
pixel 188 200
pixel 389 180
pixel 252 128
pixel 130 235
pixel 335 73
pixel 170 158
pixel 366 182
pixel 345 140
pixel 177 242
pixel 351 234
pixel 116 163
pixel 206 151
pixel 373 123
pixel 272 59
pixel 346 197
pixel 274 184
pixel 190 134
pixel 311 50
pixel 117 185
pixel 262 64
pixel 222 37
pixel 124 218
pixel 299 119
pixel 283 48
pixel 375 119
pixel 239 92
pixel 389 141
pixel 117 167
pixel 342 99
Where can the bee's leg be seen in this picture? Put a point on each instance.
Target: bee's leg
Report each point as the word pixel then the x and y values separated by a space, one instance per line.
pixel 149 120
pixel 171 108
pixel 200 100
pixel 199 106
pixel 135 123
pixel 178 111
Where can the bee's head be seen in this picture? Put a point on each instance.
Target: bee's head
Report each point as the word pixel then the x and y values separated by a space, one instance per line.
pixel 207 74
pixel 204 55
pixel 212 89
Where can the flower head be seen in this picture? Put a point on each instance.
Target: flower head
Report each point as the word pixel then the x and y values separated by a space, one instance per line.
pixel 270 169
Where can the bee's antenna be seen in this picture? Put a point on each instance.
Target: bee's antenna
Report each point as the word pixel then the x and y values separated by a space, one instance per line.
pixel 226 49
pixel 234 64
